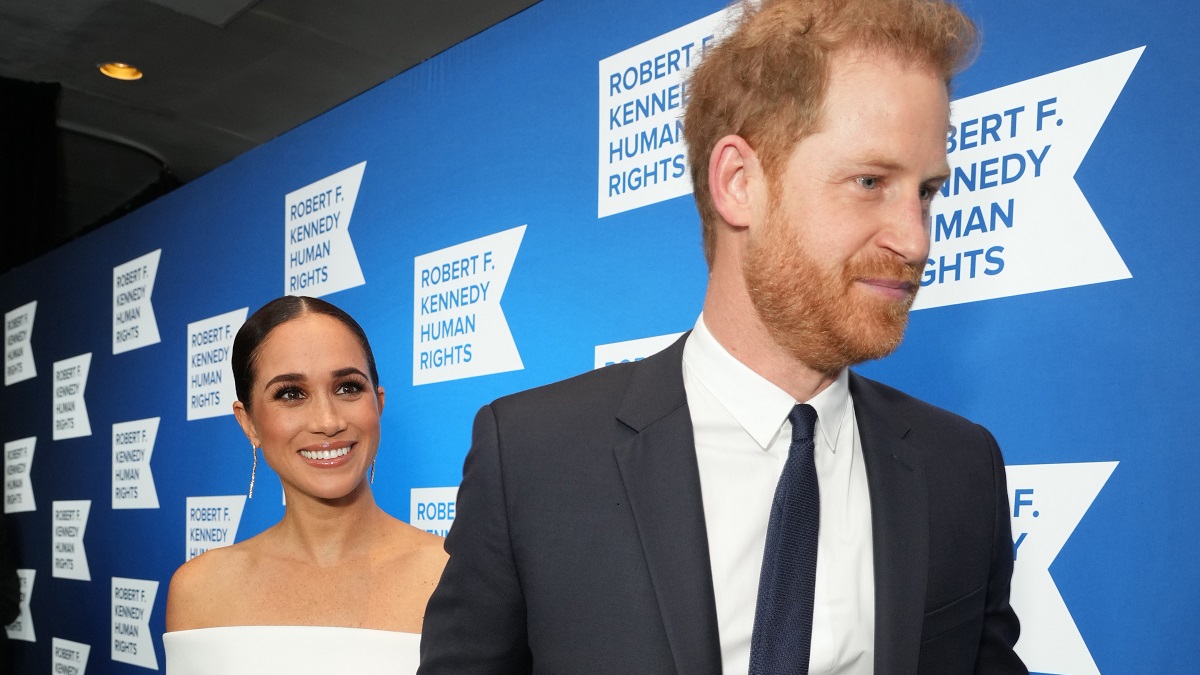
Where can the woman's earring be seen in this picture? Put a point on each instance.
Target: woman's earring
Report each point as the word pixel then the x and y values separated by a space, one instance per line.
pixel 372 472
pixel 253 470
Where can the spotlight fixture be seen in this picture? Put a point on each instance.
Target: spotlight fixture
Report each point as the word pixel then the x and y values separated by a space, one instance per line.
pixel 120 71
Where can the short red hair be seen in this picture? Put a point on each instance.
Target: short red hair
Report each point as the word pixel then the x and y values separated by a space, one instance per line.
pixel 766 81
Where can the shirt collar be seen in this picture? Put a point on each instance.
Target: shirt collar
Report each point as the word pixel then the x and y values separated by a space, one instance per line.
pixel 758 405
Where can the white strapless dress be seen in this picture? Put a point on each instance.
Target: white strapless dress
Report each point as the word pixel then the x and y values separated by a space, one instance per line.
pixel 296 650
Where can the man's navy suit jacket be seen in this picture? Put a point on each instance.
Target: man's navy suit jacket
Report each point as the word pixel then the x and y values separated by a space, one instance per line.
pixel 579 543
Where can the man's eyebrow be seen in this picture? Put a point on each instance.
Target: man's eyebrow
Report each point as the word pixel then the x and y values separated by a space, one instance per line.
pixel 939 177
pixel 877 162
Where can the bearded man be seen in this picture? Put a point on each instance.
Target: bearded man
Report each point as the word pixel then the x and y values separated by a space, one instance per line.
pixel 742 502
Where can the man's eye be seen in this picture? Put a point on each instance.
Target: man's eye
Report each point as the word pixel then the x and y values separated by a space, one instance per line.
pixel 868 182
pixel 929 192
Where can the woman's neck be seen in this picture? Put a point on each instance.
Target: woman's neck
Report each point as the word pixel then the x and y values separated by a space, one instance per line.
pixel 326 533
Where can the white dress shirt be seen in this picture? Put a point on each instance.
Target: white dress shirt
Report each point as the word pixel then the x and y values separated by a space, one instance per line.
pixel 742 437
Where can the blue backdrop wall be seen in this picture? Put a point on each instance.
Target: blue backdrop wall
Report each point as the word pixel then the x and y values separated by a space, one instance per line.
pixel 515 211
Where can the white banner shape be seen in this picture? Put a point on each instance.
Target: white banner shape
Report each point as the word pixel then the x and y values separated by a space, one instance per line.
pixel 1048 501
pixel 319 257
pixel 70 410
pixel 18 344
pixel 69 658
pixel 22 627
pixel 212 522
pixel 69 523
pixel 459 329
pixel 18 486
pixel 134 324
pixel 633 350
pixel 643 158
pixel 133 483
pixel 210 390
pixel 1011 219
pixel 432 509
pixel 132 601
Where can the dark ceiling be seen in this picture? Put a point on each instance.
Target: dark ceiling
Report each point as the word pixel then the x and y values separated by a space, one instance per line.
pixel 221 77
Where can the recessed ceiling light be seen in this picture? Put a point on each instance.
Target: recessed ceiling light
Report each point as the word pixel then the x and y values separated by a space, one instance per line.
pixel 120 71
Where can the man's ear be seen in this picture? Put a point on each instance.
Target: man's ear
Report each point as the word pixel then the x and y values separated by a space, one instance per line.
pixel 247 425
pixel 734 177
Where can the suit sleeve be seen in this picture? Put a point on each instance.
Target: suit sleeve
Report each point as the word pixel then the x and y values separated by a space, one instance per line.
pixel 1000 625
pixel 475 620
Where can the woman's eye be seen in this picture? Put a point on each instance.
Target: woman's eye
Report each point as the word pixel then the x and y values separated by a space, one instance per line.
pixel 289 394
pixel 349 388
pixel 868 182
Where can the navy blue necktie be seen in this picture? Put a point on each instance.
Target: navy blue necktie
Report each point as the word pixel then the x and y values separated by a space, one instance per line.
pixel 784 614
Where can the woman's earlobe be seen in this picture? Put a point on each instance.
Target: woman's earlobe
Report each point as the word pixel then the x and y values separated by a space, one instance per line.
pixel 243 419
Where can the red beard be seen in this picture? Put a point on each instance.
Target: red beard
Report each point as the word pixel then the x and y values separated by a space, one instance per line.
pixel 815 312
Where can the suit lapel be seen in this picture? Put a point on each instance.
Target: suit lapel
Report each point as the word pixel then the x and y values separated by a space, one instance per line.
pixel 662 480
pixel 900 528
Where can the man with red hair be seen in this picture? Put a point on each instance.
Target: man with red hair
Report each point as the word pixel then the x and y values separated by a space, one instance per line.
pixel 742 502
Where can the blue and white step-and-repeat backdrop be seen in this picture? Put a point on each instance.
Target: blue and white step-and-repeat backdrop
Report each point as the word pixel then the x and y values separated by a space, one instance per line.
pixel 517 210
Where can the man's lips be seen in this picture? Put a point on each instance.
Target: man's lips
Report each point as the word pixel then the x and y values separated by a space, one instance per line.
pixel 898 288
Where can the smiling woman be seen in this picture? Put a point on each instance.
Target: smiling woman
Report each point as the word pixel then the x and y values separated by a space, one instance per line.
pixel 336 570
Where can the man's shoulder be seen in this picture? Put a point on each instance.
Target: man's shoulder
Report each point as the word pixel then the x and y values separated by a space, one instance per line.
pixel 589 387
pixel 656 380
pixel 877 396
pixel 955 451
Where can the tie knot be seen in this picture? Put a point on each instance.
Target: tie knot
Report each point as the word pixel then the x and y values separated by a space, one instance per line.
pixel 804 420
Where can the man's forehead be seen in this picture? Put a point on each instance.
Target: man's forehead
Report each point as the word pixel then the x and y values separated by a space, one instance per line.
pixel 855 56
pixel 865 77
pixel 849 67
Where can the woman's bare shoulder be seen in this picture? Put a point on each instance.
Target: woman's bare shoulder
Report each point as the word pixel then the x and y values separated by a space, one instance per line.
pixel 420 553
pixel 201 589
pixel 413 561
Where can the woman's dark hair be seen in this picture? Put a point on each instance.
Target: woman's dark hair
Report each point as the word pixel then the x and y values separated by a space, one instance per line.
pixel 269 317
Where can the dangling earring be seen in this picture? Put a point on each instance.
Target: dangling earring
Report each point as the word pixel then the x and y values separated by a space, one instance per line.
pixel 253 470
pixel 372 479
